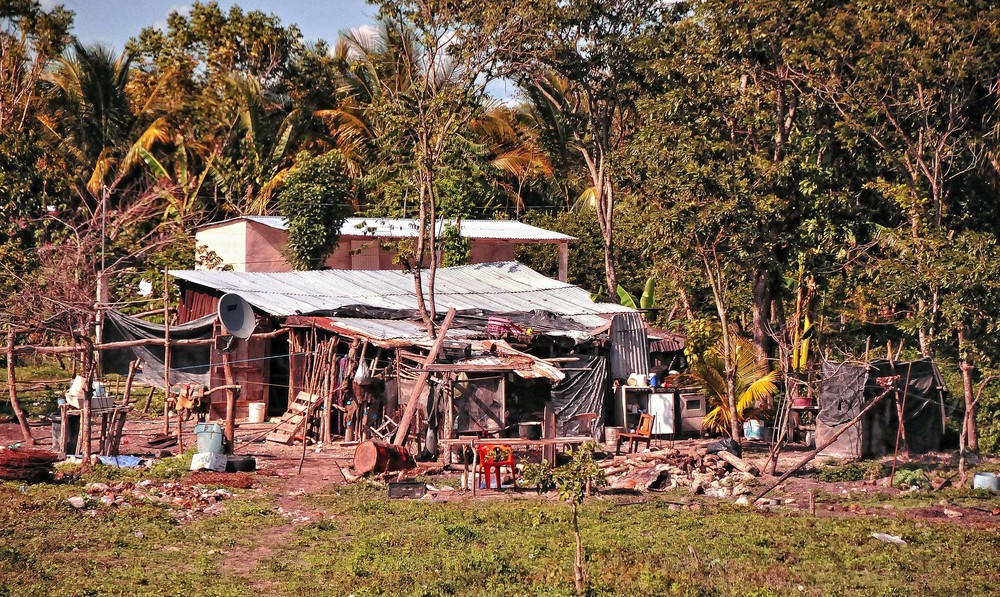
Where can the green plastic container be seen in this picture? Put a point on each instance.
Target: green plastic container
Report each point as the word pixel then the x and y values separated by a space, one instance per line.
pixel 209 437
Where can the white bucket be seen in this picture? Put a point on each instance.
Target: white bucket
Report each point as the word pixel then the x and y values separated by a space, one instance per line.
pixel 257 412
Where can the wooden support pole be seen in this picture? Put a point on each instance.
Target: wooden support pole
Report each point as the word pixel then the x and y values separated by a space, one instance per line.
pixel 825 445
pixel 564 261
pixel 227 369
pixel 15 404
pixel 85 423
pixel 149 399
pixel 59 350
pixel 418 387
pixel 132 368
pixel 166 361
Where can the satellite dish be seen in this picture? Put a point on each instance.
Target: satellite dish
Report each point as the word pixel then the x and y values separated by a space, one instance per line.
pixel 236 316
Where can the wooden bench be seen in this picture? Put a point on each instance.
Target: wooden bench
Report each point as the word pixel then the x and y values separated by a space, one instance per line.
pixel 644 432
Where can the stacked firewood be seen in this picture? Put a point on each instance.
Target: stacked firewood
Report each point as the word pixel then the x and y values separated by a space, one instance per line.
pixel 716 475
pixel 26 464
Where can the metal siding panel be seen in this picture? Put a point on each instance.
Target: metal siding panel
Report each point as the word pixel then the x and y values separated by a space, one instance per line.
pixel 629 346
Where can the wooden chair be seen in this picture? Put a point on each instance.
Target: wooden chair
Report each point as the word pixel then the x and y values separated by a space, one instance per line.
pixel 644 432
pixel 581 425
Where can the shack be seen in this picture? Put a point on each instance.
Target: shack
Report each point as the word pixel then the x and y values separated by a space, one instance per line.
pixel 519 341
pixel 917 403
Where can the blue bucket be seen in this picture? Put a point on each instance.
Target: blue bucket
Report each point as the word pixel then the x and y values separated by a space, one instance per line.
pixel 753 429
pixel 209 437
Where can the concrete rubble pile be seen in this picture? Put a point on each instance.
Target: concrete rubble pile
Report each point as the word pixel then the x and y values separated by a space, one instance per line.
pixel 186 499
pixel 666 470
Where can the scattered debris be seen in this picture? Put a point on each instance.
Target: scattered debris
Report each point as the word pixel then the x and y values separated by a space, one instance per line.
pixel 896 539
pixel 26 464
pixel 711 474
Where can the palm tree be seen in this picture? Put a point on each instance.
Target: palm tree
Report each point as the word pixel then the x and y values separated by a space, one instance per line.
pixel 754 384
pixel 91 117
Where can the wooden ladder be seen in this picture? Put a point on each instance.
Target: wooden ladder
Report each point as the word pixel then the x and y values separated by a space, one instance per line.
pixel 293 420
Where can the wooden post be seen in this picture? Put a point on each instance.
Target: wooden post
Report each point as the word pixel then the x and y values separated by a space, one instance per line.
pixel 85 427
pixel 149 399
pixel 166 359
pixel 564 261
pixel 132 367
pixel 411 406
pixel 15 405
pixel 227 370
pixel 549 432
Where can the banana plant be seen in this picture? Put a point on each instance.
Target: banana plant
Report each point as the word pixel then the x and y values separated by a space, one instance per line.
pixel 646 301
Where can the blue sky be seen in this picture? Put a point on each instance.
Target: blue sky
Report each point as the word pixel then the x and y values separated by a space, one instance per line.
pixel 113 22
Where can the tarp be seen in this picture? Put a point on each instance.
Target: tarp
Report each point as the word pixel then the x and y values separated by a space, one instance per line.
pixel 582 391
pixel 188 364
pixel 842 393
pixel 846 389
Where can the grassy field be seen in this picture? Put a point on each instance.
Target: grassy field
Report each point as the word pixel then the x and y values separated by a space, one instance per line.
pixel 361 543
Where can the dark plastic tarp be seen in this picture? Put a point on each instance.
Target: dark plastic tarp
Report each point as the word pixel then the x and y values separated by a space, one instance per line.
pixel 188 364
pixel 582 391
pixel 847 388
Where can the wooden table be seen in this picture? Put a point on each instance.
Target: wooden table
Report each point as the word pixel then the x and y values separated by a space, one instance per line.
pixel 446 445
pixel 112 422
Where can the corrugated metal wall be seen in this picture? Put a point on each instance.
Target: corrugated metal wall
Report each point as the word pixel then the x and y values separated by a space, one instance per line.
pixel 628 346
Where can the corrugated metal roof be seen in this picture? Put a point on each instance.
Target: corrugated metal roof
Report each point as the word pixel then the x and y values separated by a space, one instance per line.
pixel 503 287
pixel 406 228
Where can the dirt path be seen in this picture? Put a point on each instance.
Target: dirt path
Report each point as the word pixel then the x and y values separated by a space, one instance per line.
pixel 278 469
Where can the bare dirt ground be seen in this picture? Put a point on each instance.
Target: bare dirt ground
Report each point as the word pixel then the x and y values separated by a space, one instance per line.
pixel 326 467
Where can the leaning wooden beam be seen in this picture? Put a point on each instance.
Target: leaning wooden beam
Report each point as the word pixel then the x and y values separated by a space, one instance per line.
pixel 30 350
pixel 826 444
pixel 15 405
pixel 418 387
pixel 230 404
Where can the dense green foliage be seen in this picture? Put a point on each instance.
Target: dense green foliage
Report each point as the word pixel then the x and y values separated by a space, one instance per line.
pixel 820 177
pixel 315 200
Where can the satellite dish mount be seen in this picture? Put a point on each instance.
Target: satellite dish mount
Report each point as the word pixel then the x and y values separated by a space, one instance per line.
pixel 236 316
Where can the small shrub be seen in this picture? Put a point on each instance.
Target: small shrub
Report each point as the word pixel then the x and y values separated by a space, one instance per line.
pixel 911 477
pixel 866 470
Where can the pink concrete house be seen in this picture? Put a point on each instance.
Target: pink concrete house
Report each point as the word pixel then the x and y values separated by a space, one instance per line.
pixel 255 243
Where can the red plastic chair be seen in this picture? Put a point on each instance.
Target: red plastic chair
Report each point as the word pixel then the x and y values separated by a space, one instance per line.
pixel 487 464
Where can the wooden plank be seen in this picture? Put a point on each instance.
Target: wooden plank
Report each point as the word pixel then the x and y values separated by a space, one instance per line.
pixel 411 406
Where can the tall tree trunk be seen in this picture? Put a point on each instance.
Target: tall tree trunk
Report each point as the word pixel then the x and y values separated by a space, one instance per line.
pixel 763 293
pixel 418 262
pixel 969 431
pixel 15 404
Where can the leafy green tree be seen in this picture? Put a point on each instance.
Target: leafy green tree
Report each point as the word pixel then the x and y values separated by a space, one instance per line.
pixel 315 200
pixel 227 77
pixel 918 83
pixel 580 67
pixel 574 482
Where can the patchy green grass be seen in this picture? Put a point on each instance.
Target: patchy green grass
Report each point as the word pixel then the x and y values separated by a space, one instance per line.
pixel 47 547
pixel 369 545
pixel 366 544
